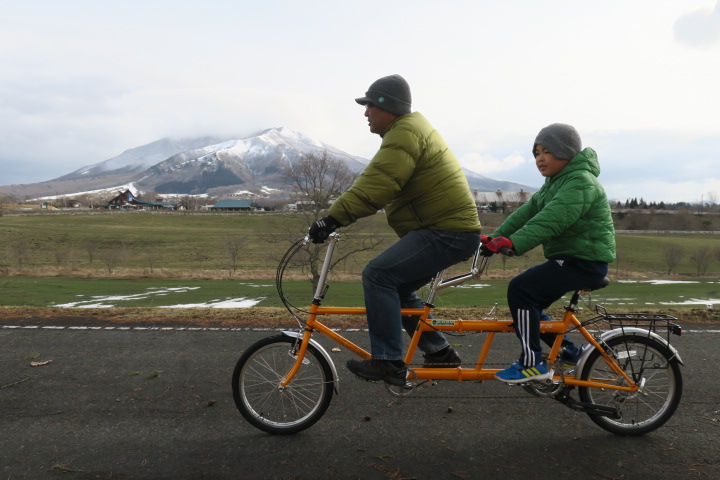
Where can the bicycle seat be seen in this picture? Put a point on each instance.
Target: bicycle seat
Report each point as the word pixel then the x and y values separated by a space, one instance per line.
pixel 603 283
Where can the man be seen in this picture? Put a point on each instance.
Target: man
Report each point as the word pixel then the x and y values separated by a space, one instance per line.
pixel 417 180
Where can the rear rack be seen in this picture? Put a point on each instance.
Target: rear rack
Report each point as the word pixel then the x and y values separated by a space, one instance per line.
pixel 659 323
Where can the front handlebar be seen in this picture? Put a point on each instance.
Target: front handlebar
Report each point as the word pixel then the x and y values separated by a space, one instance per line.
pixel 507 252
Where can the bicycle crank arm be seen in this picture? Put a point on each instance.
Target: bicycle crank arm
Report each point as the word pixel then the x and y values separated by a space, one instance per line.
pixel 590 408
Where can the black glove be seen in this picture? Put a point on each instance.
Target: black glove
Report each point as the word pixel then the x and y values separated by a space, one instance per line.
pixel 320 229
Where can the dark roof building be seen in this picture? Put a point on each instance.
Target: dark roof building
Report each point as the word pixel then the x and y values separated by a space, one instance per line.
pixel 127 200
pixel 233 205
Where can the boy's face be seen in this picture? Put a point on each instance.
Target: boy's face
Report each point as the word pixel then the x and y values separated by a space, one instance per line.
pixel 546 162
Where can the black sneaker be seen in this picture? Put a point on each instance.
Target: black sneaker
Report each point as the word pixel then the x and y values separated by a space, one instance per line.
pixel 390 371
pixel 445 358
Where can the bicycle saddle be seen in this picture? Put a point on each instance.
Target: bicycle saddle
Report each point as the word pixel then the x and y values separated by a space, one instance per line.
pixel 603 283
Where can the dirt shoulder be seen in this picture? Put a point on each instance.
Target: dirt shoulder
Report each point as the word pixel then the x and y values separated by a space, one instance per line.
pixel 257 317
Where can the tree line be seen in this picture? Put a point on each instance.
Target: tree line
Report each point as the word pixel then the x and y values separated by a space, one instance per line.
pixel 708 204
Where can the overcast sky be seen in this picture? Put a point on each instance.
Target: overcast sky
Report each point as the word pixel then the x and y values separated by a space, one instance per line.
pixel 82 81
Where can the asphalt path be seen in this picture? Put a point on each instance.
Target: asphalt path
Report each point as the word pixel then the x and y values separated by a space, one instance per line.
pixel 81 401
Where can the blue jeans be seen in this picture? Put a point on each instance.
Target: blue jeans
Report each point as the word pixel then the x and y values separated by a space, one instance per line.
pixel 390 281
pixel 536 289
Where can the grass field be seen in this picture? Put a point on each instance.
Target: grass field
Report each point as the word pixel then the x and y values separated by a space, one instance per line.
pixel 152 243
pixel 143 260
pixel 91 293
pixel 149 242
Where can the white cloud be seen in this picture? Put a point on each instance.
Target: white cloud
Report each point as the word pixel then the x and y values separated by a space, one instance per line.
pixel 699 28
pixel 83 81
pixel 488 164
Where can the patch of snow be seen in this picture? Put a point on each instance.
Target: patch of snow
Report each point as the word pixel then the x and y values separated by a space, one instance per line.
pixel 121 188
pixel 695 301
pixel 473 285
pixel 105 300
pixel 228 303
pixel 659 282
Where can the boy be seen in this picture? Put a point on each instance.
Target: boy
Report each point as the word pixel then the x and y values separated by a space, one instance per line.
pixel 570 217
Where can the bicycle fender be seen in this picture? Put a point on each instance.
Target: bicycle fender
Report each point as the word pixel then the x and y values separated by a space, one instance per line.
pixel 617 332
pixel 324 353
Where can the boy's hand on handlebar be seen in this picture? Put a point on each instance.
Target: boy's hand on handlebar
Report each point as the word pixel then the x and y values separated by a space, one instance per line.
pixel 321 228
pixel 492 245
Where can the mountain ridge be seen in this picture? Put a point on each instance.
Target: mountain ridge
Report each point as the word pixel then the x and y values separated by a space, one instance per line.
pixel 211 165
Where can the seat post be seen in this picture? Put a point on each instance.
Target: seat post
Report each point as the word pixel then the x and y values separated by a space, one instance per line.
pixel 572 306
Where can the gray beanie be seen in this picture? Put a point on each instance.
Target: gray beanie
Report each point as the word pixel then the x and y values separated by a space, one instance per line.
pixel 562 140
pixel 391 93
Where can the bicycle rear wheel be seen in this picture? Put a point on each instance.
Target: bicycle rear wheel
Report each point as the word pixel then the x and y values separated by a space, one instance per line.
pixel 650 364
pixel 270 407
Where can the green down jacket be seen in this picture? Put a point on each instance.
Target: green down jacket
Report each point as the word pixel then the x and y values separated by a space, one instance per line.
pixel 569 216
pixel 416 178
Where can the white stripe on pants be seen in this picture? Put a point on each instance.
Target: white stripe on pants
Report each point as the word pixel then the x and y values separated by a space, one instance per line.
pixel 523 325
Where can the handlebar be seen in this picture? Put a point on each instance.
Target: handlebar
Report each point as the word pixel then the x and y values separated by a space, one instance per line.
pixel 507 252
pixel 479 265
pixel 503 251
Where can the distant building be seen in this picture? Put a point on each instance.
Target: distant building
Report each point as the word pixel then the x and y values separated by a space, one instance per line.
pixel 233 206
pixel 126 200
pixel 499 201
pixel 305 205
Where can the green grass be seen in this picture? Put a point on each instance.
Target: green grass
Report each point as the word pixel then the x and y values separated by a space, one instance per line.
pixel 46 261
pixel 48 292
pixel 144 240
pixel 153 242
pixel 646 253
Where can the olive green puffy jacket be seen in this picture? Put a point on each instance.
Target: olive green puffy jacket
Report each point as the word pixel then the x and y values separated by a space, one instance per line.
pixel 569 216
pixel 416 178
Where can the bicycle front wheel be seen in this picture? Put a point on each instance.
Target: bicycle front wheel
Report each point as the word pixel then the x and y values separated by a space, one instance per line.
pixel 269 406
pixel 652 366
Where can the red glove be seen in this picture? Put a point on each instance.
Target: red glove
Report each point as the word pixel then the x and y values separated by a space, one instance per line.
pixel 495 244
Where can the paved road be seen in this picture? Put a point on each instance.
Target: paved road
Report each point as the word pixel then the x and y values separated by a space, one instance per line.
pixel 153 403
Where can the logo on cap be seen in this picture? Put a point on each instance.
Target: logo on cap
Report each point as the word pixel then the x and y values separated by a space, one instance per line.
pixel 381 99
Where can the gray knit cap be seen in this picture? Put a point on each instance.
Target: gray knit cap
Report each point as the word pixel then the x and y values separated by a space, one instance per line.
pixel 562 140
pixel 391 93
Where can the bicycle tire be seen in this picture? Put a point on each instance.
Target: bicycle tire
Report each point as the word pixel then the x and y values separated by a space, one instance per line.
pixel 643 359
pixel 259 397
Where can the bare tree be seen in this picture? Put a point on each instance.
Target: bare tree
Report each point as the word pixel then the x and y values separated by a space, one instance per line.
pixel 90 247
pixel 19 250
pixel 201 257
pixel 317 181
pixel 60 254
pixel 112 259
pixel 701 258
pixel 151 257
pixel 71 256
pixel 233 245
pixel 115 255
pixel 673 255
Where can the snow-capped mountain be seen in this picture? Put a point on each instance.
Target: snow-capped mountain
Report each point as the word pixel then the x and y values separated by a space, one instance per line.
pixel 208 165
pixel 141 158
pixel 248 164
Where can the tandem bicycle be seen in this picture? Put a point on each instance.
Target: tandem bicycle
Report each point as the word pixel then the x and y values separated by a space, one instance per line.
pixel 627 380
